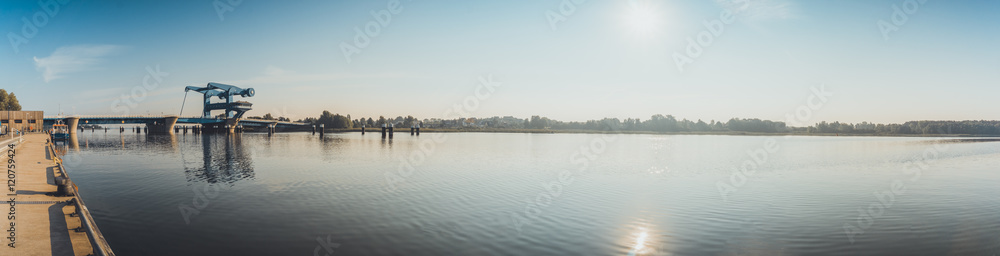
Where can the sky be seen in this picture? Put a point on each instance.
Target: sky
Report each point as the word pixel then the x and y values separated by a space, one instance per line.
pixel 571 60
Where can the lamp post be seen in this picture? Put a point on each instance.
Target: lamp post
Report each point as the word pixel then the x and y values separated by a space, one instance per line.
pixel 10 121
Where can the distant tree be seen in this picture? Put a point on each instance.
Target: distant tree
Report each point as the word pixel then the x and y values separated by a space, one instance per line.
pixel 701 126
pixel 326 119
pixel 755 125
pixel 844 127
pixel 538 122
pixel 381 121
pixel 822 127
pixel 370 122
pixel 409 121
pixel 268 116
pixel 662 123
pixel 334 121
pixel 9 101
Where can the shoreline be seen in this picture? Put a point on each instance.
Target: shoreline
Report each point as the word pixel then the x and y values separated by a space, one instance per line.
pixel 726 133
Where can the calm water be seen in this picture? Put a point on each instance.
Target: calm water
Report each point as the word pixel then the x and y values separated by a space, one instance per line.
pixel 538 194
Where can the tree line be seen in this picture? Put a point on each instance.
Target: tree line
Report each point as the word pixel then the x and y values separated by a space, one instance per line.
pixel 661 123
pixel 973 127
pixel 669 124
pixel 338 121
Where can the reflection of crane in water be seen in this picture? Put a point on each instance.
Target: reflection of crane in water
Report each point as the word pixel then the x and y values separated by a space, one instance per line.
pixel 224 161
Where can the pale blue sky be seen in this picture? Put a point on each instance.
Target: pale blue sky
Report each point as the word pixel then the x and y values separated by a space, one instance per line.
pixel 607 59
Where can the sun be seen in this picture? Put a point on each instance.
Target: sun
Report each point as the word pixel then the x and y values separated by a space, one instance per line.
pixel 642 18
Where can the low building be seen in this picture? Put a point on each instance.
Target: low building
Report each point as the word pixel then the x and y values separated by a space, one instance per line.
pixel 25 121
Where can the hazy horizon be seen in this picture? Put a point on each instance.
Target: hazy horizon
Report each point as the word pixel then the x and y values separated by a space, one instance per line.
pixel 603 59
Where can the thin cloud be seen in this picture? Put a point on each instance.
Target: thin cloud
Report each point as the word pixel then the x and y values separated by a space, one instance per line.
pixel 70 59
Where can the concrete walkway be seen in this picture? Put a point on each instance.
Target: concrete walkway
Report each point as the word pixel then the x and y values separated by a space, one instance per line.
pixel 44 224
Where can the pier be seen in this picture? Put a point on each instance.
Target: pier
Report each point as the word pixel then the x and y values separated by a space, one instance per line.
pixel 50 216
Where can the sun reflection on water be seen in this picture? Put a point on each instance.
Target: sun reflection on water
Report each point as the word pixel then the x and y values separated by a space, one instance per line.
pixel 640 243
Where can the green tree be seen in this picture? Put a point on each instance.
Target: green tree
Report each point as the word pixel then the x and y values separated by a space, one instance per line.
pixel 343 122
pixel 409 121
pixel 9 101
pixel 326 119
pixel 538 122
pixel 335 121
pixel 701 126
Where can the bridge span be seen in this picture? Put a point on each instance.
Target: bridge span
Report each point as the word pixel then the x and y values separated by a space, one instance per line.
pixel 165 123
pixel 228 121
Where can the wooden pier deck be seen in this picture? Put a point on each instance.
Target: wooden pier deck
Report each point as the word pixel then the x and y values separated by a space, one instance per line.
pixel 45 224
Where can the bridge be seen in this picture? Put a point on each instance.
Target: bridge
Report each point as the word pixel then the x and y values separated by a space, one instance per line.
pixel 226 122
pixel 166 124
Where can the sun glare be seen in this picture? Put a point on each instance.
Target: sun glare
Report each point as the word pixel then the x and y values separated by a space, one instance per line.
pixel 642 18
pixel 641 241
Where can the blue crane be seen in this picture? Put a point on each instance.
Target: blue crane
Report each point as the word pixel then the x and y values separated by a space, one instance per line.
pixel 234 109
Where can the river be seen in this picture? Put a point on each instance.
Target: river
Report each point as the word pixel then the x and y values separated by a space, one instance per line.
pixel 538 194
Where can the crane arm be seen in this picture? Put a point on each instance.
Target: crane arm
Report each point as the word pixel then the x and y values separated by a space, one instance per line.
pixel 234 109
pixel 232 90
pixel 221 90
